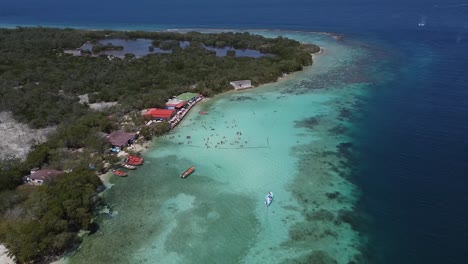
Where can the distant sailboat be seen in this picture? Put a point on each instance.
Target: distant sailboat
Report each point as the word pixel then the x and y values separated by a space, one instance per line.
pixel 422 21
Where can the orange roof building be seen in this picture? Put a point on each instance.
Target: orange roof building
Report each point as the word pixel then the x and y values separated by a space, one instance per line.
pixel 160 113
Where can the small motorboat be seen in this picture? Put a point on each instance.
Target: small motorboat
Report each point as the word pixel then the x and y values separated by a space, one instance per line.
pixel 134 160
pixel 128 166
pixel 186 173
pixel 119 173
pixel 269 199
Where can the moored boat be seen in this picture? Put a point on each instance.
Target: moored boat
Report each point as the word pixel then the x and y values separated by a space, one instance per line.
pixel 187 172
pixel 128 166
pixel 269 199
pixel 134 160
pixel 119 173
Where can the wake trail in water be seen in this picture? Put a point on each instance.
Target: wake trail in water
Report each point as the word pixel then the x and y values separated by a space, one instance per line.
pixel 449 6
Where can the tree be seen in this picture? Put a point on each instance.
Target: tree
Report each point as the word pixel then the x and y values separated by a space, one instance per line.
pixel 10 174
pixel 161 128
pixel 52 216
pixel 38 156
pixel 146 132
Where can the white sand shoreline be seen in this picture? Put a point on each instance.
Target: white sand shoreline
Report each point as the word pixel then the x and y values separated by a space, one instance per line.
pixel 4 259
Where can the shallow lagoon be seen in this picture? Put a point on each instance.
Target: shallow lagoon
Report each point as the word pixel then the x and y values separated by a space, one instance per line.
pixel 140 48
pixel 290 137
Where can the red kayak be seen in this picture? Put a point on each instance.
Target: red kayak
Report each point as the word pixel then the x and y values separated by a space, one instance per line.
pixel 186 173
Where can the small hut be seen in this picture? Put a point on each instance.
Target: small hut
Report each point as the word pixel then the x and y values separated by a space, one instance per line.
pixel 38 177
pixel 120 139
pixel 240 85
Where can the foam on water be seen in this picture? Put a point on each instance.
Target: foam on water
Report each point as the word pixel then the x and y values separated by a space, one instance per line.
pixel 290 137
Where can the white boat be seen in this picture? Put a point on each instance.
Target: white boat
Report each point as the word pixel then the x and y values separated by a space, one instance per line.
pixel 269 199
pixel 128 166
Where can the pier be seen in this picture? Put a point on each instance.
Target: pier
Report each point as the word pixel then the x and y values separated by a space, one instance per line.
pixel 180 114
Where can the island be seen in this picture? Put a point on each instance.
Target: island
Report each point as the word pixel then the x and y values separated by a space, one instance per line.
pixel 94 102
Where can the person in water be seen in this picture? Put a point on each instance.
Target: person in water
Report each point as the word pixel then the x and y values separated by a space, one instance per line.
pixel 270 194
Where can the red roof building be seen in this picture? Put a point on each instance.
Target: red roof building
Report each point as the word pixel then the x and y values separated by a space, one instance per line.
pixel 160 113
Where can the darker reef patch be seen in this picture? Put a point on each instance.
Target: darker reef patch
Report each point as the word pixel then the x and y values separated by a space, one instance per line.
pixel 333 195
pixel 345 114
pixel 308 123
pixel 338 130
pixel 306 233
pixel 316 257
pixel 320 215
pixel 242 98
pixel 351 218
pixel 345 152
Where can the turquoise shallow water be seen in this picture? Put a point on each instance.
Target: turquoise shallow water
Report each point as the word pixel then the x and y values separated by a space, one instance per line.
pixel 412 139
pixel 291 137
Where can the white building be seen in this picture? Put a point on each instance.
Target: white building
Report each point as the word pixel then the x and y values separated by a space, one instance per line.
pixel 38 177
pixel 240 85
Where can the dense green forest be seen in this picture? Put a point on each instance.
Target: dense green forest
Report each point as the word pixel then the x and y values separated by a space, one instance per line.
pixel 40 85
pixel 47 218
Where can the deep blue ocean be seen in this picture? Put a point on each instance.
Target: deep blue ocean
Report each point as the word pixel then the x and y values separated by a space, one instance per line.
pixel 413 170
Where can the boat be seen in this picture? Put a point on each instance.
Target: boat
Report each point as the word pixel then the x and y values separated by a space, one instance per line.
pixel 119 173
pixel 128 166
pixel 203 113
pixel 186 173
pixel 269 199
pixel 134 160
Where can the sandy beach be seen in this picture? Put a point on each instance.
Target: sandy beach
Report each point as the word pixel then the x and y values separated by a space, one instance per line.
pixel 4 259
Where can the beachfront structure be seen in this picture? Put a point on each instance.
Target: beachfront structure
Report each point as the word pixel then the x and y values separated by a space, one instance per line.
pixel 120 139
pixel 188 96
pixel 39 177
pixel 240 85
pixel 192 99
pixel 74 52
pixel 178 107
pixel 161 114
pixel 175 103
